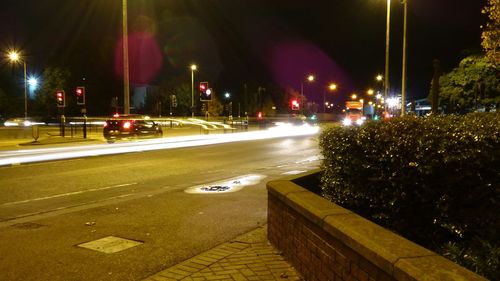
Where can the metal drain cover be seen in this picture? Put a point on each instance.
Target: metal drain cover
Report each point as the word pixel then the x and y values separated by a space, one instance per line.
pixel 215 188
pixel 110 244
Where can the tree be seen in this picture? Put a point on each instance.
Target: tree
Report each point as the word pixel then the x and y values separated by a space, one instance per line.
pixel 54 78
pixel 215 107
pixel 473 85
pixel 491 32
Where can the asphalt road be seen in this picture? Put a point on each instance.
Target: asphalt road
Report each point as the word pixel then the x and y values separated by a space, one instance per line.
pixel 48 209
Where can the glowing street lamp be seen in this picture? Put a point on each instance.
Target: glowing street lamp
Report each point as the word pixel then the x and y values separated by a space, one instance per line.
pixel 15 57
pixel 310 78
pixel 403 74
pixel 331 87
pixel 33 82
pixel 126 82
pixel 193 69
pixel 387 34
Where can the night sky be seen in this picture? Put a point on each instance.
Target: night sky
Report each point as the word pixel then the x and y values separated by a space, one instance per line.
pixel 244 41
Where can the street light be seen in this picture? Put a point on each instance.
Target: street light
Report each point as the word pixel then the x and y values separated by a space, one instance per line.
pixel 126 82
pixel 387 33
pixel 331 87
pixel 403 74
pixel 310 78
pixel 15 57
pixel 193 69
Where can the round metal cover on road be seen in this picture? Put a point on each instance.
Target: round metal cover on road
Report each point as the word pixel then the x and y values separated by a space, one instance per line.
pixel 230 185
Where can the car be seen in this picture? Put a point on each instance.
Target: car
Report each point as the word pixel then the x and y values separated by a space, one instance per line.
pixel 23 122
pixel 130 126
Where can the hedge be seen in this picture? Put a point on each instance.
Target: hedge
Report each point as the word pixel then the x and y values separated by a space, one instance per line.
pixel 434 180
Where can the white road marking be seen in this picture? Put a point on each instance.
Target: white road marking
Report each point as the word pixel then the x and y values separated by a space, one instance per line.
pixel 67 194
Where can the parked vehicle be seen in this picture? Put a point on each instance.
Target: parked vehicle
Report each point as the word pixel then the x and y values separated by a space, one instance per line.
pixel 130 126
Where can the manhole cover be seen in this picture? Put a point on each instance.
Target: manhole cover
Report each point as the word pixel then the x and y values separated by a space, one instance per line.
pixel 230 185
pixel 110 244
pixel 215 188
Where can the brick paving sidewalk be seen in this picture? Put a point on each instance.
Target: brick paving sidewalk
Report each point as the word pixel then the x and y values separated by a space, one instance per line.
pixel 247 257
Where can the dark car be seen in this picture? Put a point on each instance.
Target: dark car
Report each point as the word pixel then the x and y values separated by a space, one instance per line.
pixel 130 127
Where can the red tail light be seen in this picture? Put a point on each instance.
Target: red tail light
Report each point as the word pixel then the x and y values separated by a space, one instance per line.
pixel 127 124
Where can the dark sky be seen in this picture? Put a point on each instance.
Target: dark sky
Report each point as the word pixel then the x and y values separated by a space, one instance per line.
pixel 245 41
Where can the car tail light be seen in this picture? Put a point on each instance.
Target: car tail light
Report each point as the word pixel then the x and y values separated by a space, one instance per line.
pixel 127 125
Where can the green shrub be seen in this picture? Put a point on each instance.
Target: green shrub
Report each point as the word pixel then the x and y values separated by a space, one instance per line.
pixel 434 180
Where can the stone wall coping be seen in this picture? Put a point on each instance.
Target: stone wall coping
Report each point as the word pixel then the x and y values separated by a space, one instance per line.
pixel 392 253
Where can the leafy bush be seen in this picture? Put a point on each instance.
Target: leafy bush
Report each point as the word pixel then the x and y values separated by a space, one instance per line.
pixel 434 180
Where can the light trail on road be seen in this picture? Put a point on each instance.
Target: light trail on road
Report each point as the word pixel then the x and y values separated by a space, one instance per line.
pixel 17 157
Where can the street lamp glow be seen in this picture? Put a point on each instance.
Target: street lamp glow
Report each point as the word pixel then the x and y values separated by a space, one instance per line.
pixel 33 82
pixel 310 78
pixel 354 96
pixel 379 78
pixel 332 87
pixel 370 92
pixel 193 69
pixel 227 95
pixel 13 56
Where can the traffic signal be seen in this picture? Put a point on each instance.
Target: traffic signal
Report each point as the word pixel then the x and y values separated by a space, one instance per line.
pixel 295 105
pixel 173 100
pixel 60 98
pixel 205 92
pixel 80 95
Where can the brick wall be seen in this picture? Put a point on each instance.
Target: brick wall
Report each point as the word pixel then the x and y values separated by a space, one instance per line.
pixel 323 241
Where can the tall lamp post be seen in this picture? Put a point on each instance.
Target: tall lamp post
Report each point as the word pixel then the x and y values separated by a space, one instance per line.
pixel 403 74
pixel 310 78
pixel 126 82
pixel 193 69
pixel 14 57
pixel 331 87
pixel 387 34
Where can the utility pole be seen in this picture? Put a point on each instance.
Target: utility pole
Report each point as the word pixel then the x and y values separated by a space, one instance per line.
pixel 126 83
pixel 403 74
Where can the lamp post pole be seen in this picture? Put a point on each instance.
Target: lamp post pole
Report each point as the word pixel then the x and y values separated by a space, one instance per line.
pixel 310 78
pixel 193 68
pixel 25 92
pixel 387 40
pixel 15 57
pixel 126 82
pixel 403 74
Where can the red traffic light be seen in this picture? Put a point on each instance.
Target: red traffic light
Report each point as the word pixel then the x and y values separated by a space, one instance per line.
pixel 80 95
pixel 60 98
pixel 205 92
pixel 295 104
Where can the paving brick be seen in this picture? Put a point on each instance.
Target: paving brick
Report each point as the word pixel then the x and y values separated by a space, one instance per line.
pixel 234 261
